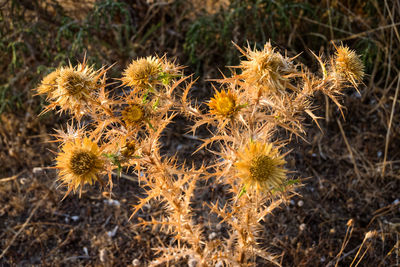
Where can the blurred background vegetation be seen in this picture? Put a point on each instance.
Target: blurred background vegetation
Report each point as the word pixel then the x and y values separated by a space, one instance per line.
pixel 36 36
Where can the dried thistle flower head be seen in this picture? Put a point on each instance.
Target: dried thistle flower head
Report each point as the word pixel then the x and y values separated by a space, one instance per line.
pixel 133 114
pixel 224 104
pixel 260 166
pixel 348 64
pixel 76 83
pixel 129 149
pixel 75 86
pixel 49 84
pixel 80 163
pixel 142 72
pixel 266 68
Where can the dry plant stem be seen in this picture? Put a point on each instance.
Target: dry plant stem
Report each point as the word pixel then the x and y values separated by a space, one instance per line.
pixel 393 249
pixel 11 178
pixel 362 256
pixel 346 239
pixel 7 179
pixel 125 176
pixel 390 125
pixel 390 13
pixel 246 240
pixel 343 256
pixel 358 252
pixel 172 194
pixel 106 110
pixel 350 151
pixel 165 177
pixel 351 35
pixel 382 211
pixel 327 117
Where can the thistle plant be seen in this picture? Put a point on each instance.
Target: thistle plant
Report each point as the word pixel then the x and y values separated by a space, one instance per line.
pixel 267 92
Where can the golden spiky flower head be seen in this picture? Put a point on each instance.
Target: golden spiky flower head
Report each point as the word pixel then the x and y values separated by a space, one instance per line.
pixel 224 104
pixel 133 114
pixel 266 69
pixel 75 84
pixel 142 72
pixel 49 84
pixel 260 165
pixel 75 88
pixel 79 163
pixel 348 64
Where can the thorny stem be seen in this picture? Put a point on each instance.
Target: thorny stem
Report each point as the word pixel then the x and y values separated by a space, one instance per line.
pixel 251 120
pixel 155 161
pixel 106 110
pixel 174 201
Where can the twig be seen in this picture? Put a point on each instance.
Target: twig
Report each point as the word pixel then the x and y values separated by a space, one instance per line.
pixel 368 236
pixel 346 239
pixel 7 179
pixel 352 36
pixel 125 176
pixel 390 126
pixel 362 256
pixel 344 256
pixel 11 178
pixel 392 20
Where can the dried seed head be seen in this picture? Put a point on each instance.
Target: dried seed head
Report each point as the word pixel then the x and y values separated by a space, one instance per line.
pixel 75 88
pixel 260 165
pixel 224 104
pixel 82 162
pixel 350 223
pixel 370 234
pixel 129 149
pixel 79 163
pixel 142 72
pixel 133 114
pixel 49 83
pixel 75 83
pixel 349 65
pixel 266 69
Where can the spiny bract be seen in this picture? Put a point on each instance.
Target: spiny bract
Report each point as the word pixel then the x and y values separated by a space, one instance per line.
pixel 49 84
